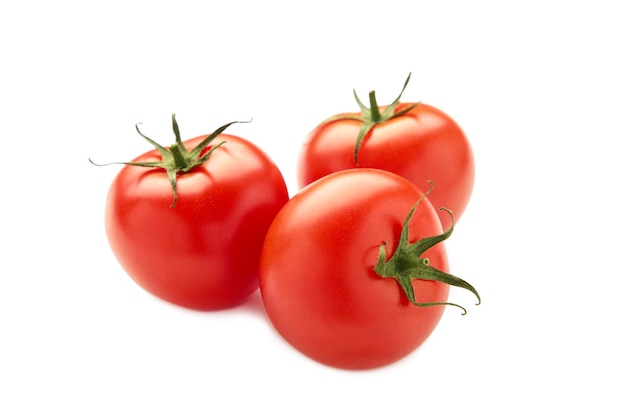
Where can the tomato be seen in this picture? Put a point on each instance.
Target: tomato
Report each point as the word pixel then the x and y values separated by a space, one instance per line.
pixel 414 140
pixel 327 261
pixel 192 236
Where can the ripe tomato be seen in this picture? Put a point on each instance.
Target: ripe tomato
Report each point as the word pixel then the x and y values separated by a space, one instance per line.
pixel 194 238
pixel 413 140
pixel 324 269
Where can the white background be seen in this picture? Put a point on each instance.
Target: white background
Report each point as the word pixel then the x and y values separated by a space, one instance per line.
pixel 539 88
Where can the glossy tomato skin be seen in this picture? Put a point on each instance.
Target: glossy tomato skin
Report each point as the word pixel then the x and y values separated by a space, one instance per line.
pixel 423 144
pixel 202 254
pixel 317 279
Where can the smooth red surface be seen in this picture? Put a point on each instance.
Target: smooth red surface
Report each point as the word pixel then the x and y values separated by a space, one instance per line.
pixel 202 254
pixel 317 279
pixel 424 144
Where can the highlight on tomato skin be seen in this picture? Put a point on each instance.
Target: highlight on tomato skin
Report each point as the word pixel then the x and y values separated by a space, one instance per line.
pixel 192 236
pixel 318 276
pixel 412 139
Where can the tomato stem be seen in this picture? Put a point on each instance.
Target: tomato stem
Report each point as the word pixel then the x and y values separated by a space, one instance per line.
pixel 177 159
pixel 375 111
pixel 372 116
pixel 406 263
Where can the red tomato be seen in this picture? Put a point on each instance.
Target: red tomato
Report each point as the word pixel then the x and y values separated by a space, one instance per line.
pixel 201 248
pixel 324 270
pixel 413 140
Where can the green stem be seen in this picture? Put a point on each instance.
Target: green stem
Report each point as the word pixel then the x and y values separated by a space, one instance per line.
pixel 177 159
pixel 375 111
pixel 372 116
pixel 181 162
pixel 407 263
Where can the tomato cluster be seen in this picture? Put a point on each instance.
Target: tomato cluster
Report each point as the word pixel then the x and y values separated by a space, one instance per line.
pixel 352 270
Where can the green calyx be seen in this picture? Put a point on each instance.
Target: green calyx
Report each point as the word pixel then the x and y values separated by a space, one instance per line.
pixel 372 116
pixel 406 264
pixel 177 159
